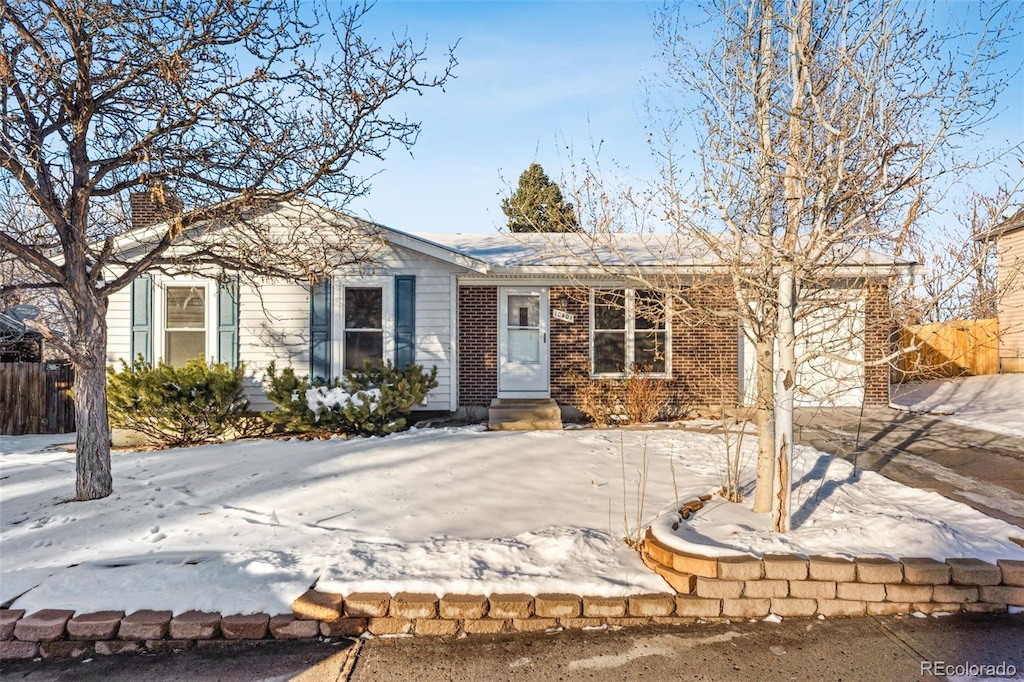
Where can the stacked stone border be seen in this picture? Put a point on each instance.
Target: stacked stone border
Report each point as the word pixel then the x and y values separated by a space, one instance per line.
pixel 60 633
pixel 707 589
pixel 745 586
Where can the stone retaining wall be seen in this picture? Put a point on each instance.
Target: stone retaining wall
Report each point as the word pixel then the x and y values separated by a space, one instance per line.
pixel 789 585
pixel 60 633
pixel 707 589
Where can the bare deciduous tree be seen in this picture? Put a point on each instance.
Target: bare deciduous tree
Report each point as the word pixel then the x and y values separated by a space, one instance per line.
pixel 220 107
pixel 825 130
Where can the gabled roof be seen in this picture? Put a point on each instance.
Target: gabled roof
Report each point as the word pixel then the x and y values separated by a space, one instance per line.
pixel 150 234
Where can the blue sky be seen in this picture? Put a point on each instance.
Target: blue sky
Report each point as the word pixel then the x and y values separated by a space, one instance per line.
pixel 537 81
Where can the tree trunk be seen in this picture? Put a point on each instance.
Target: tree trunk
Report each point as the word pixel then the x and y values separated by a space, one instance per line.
pixel 92 459
pixel 764 403
pixel 764 344
pixel 785 392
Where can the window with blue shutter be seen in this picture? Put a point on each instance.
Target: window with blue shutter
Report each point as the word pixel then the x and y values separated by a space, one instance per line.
pixel 320 330
pixel 405 321
pixel 227 321
pixel 142 318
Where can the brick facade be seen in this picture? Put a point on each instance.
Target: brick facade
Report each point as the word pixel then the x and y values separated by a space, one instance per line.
pixel 878 342
pixel 478 345
pixel 705 351
pixel 704 363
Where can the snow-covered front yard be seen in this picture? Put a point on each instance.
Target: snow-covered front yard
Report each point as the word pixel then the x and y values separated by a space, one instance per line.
pixel 248 526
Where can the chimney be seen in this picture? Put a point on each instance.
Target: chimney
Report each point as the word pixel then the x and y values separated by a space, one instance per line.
pixel 153 206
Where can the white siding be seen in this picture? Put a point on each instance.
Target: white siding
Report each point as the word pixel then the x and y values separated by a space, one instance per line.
pixel 119 327
pixel 435 339
pixel 274 323
pixel 273 326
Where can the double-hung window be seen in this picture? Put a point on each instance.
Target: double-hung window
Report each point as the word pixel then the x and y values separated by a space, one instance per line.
pixel 630 332
pixel 177 319
pixel 185 323
pixel 364 326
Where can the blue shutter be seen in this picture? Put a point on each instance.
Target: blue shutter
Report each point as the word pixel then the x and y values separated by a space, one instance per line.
pixel 227 321
pixel 405 321
pixel 320 330
pixel 142 319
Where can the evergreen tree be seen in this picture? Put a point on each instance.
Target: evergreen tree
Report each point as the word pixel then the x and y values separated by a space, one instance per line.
pixel 537 205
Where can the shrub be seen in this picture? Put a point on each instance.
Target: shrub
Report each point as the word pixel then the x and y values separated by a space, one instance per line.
pixel 644 397
pixel 197 403
pixel 636 399
pixel 373 401
pixel 287 391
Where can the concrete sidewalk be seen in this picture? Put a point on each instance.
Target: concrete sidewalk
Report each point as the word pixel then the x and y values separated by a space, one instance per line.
pixel 869 648
pixel 797 649
pixel 979 468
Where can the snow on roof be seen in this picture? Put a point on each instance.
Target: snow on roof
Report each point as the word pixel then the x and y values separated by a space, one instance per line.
pixel 581 249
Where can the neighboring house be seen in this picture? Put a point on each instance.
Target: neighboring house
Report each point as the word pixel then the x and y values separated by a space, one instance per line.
pixel 1009 239
pixel 509 316
pixel 18 343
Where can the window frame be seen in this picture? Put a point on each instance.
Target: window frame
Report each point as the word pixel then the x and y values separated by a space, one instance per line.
pixel 630 333
pixel 159 318
pixel 386 285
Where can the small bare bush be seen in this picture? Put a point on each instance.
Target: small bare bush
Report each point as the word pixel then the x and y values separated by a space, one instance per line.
pixel 643 397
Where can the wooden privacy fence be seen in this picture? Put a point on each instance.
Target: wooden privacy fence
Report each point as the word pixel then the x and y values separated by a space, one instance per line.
pixel 35 397
pixel 950 349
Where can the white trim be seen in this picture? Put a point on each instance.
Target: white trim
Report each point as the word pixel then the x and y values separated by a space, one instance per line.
pixel 159 323
pixel 434 250
pixel 387 287
pixel 630 333
pixel 453 343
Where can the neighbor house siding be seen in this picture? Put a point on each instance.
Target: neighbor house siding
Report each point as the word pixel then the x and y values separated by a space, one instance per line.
pixel 1011 305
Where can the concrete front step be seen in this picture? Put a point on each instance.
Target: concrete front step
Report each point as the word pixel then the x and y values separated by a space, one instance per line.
pixel 524 415
pixel 525 426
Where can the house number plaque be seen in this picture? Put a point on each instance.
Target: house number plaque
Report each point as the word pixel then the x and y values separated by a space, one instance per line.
pixel 562 315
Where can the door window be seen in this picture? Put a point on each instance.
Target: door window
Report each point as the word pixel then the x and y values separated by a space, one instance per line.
pixel 524 328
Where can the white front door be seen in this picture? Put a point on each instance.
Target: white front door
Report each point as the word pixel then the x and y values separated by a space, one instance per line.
pixel 523 342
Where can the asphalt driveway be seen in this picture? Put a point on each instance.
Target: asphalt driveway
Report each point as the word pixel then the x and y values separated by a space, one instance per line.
pixel 979 468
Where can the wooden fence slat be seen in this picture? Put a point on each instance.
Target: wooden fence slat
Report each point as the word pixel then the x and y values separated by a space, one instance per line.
pixel 950 349
pixel 34 398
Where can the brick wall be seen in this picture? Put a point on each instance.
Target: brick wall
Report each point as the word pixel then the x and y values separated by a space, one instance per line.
pixel 478 345
pixel 704 364
pixel 704 351
pixel 153 206
pixel 878 342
